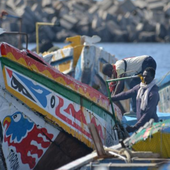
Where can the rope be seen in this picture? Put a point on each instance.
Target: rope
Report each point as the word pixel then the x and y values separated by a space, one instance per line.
pixel 121 153
pixel 127 153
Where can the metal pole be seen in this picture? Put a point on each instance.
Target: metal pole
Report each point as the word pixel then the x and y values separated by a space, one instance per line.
pixel 109 95
pixel 123 78
pixel 20 27
pixel 37 33
pixel 37 38
pixel 21 33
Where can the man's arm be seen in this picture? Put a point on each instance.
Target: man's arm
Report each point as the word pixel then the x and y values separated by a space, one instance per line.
pixel 125 95
pixel 120 85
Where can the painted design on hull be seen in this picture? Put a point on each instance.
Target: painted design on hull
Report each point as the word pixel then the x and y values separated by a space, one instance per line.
pixel 37 91
pixel 28 140
pixel 67 114
pixel 78 115
pixel 15 55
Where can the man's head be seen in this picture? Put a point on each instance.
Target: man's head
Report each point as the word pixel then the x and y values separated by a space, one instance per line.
pixel 107 69
pixel 148 75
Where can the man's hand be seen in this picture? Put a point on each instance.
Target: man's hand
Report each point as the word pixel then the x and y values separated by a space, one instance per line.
pixel 130 129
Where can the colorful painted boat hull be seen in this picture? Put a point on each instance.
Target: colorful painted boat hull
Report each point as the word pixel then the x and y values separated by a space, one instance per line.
pixel 30 142
pixel 154 138
pixel 84 62
pixel 164 92
pixel 62 103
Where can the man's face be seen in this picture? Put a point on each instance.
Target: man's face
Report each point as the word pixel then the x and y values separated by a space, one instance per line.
pixel 147 77
pixel 109 72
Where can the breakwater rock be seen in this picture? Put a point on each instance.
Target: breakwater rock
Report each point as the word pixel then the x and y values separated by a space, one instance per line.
pixel 112 20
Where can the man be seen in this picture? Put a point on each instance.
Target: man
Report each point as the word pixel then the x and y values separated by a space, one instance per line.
pixel 127 67
pixel 146 101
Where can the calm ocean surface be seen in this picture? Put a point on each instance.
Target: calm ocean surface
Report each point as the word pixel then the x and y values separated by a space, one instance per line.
pixel 159 51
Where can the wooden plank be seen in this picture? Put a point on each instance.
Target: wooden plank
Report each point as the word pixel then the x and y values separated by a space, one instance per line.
pixel 144 154
pixel 125 165
pixel 96 139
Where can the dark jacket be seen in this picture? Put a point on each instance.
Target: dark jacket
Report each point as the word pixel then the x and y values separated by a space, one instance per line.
pixel 143 116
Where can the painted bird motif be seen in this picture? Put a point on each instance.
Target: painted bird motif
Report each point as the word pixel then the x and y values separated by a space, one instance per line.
pixel 26 137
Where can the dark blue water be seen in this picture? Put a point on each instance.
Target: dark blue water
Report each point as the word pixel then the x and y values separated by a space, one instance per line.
pixel 159 51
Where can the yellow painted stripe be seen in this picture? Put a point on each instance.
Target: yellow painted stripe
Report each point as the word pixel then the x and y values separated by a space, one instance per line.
pixel 158 143
pixel 34 107
pixel 60 80
pixel 62 53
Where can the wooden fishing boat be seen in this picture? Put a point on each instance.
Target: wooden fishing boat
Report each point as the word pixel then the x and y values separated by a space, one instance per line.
pixel 45 113
pixel 83 60
pixel 136 152
pixel 164 92
pixel 115 161
pixel 152 137
pixel 30 142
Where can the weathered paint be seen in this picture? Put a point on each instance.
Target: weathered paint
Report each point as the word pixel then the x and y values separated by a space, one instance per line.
pixel 153 138
pixel 72 111
pixel 46 70
pixel 65 59
pixel 57 108
pixel 77 46
pixel 164 103
pixel 164 93
pixel 89 67
pixel 26 136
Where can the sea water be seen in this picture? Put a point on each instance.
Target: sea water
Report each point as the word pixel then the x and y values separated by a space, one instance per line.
pixel 159 51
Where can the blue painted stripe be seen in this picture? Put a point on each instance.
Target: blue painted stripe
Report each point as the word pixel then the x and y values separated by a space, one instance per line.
pixel 60 61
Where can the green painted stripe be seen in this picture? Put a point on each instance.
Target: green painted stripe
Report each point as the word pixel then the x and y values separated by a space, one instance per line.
pixel 59 88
